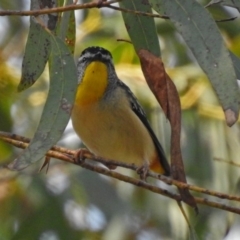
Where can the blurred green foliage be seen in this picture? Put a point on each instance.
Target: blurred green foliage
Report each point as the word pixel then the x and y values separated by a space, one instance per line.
pixel 73 203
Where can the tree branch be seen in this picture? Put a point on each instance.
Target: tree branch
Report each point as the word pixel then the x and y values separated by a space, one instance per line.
pixel 68 155
pixel 227 161
pixel 93 4
pixel 56 9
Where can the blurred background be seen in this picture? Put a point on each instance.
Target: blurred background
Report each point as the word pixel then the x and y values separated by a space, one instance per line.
pixel 73 203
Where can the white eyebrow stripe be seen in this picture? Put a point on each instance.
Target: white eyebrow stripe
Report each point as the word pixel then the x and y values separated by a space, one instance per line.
pixel 85 55
pixel 106 57
pixel 89 55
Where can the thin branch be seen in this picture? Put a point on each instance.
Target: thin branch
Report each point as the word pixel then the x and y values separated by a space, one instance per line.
pixel 155 189
pixel 124 40
pixel 226 161
pixel 69 156
pixel 20 142
pixel 226 19
pixel 93 4
pixel 196 188
pixel 53 153
pixel 57 9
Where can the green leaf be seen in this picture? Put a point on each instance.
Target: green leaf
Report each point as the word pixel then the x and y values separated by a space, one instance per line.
pixel 236 4
pixel 141 29
pixel 57 110
pixel 70 39
pixel 67 26
pixel 38 44
pixel 36 55
pixel 236 63
pixel 202 36
pixel 230 3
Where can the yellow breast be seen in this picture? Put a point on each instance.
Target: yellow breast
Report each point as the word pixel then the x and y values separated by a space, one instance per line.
pixel 93 84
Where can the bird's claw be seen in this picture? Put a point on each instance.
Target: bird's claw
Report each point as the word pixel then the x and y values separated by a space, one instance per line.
pixel 110 166
pixel 79 155
pixel 143 171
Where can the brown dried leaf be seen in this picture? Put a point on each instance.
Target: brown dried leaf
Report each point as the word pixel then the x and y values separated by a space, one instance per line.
pixel 156 78
pixel 166 93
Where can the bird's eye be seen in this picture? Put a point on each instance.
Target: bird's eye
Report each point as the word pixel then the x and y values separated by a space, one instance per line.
pixel 84 59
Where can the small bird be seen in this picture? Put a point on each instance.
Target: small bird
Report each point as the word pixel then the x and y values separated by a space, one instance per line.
pixel 108 118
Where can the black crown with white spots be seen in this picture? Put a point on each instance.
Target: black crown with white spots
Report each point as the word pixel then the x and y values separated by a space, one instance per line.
pixel 95 54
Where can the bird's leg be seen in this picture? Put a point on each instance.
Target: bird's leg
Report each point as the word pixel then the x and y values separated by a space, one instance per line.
pixel 143 171
pixel 80 158
pixel 79 155
pixel 110 166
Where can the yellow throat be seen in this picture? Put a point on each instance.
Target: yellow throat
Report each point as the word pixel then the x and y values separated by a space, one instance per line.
pixel 93 84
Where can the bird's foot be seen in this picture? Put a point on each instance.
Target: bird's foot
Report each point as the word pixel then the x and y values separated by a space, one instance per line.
pixel 110 166
pixel 143 171
pixel 79 155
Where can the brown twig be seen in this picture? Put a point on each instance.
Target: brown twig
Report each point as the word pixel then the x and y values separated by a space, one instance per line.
pixel 65 154
pixel 124 40
pixel 226 161
pixel 93 4
pixel 53 153
pixel 226 19
pixel 56 9
pixel 196 188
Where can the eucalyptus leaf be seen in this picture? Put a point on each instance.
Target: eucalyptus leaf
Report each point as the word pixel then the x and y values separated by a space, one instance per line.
pixel 236 63
pixel 36 54
pixel 57 109
pixel 230 3
pixel 67 26
pixel 236 4
pixel 141 29
pixel 38 45
pixel 203 37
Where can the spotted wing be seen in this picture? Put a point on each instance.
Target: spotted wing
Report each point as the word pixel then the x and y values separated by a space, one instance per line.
pixel 137 109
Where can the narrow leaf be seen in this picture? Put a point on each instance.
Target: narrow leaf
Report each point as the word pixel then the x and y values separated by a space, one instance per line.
pixel 56 113
pixel 38 44
pixel 204 39
pixel 67 26
pixel 141 29
pixel 36 55
pixel 236 4
pixel 70 38
pixel 230 3
pixel 236 63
